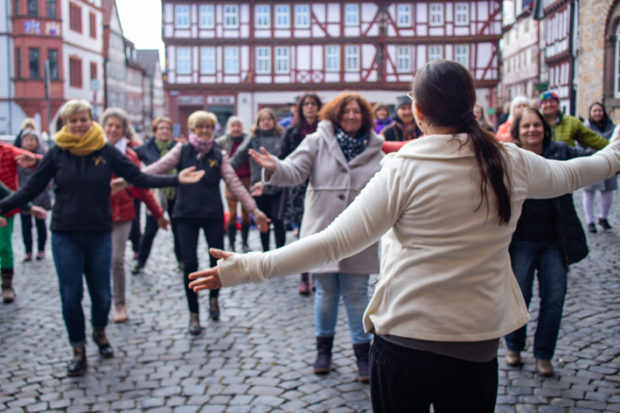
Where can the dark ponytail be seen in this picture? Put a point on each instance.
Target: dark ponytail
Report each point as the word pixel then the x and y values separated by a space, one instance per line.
pixel 444 93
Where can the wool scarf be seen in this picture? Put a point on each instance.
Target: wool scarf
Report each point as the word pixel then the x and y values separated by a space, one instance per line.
pixel 351 147
pixel 201 146
pixel 91 141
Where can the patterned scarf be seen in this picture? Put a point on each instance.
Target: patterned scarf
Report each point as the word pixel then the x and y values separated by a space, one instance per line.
pixel 351 147
pixel 91 141
pixel 200 145
pixel 164 147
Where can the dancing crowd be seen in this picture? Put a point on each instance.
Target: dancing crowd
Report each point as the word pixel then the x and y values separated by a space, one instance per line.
pixel 459 250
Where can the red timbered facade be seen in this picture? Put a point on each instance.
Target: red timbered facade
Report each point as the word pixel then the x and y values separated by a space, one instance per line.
pixel 235 57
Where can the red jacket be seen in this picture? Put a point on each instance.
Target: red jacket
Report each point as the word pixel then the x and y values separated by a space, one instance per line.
pixel 122 202
pixel 8 168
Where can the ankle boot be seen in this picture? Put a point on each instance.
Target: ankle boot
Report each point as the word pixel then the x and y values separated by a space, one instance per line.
pixel 304 285
pixel 361 356
pixel 194 324
pixel 77 366
pixel 100 339
pixel 8 294
pixel 232 234
pixel 245 229
pixel 214 309
pixel 322 364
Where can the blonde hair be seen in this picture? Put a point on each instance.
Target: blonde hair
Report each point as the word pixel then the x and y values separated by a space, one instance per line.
pixel 201 116
pixel 76 106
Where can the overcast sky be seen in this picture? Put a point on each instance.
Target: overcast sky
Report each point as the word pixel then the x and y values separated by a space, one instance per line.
pixel 141 21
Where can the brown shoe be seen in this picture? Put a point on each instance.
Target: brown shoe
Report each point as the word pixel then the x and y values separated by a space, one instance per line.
pixel 544 367
pixel 513 358
pixel 120 314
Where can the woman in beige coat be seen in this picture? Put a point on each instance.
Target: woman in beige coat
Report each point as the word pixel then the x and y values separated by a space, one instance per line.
pixel 338 160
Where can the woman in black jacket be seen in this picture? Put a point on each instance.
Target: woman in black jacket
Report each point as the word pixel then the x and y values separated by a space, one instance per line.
pixel 305 121
pixel 81 164
pixel 547 239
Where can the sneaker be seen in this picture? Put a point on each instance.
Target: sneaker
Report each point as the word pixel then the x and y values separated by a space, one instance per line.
pixel 137 268
pixel 604 223
pixel 592 228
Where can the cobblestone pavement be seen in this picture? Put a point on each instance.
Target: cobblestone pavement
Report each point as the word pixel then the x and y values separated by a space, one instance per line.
pixel 258 357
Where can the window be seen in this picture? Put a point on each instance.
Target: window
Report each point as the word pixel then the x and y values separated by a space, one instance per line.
pixel 403 15
pixel 435 52
pixel 33 62
pixel 75 72
pixel 18 62
pixel 207 60
pixel 262 17
pixel 52 61
pixel 93 71
pixel 436 14
pixel 461 14
pixel 75 17
pixel 93 25
pixel 231 60
pixel 32 8
pixel 207 16
pixel 351 15
pixel 283 17
pixel 352 58
pixel 231 17
pixel 282 60
pixel 461 55
pixel 332 58
pixel 181 13
pixel 263 60
pixel 403 59
pixel 50 8
pixel 184 60
pixel 302 16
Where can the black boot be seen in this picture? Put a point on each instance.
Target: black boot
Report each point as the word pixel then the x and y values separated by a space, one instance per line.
pixel 214 309
pixel 322 364
pixel 245 230
pixel 8 294
pixel 232 234
pixel 361 356
pixel 105 349
pixel 77 366
pixel 194 324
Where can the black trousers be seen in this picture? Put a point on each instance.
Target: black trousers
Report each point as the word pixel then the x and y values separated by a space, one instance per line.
pixel 150 230
pixel 134 233
pixel 407 380
pixel 270 205
pixel 188 229
pixel 27 232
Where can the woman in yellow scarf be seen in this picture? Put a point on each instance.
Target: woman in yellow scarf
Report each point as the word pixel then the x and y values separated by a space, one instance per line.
pixel 81 164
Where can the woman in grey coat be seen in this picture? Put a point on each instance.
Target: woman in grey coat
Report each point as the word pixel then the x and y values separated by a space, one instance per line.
pixel 337 160
pixel 599 122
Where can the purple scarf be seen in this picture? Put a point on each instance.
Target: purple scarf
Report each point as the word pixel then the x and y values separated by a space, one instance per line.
pixel 200 145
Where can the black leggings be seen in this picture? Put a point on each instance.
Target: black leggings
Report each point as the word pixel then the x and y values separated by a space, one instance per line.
pixel 270 205
pixel 27 232
pixel 188 229
pixel 407 380
pixel 150 230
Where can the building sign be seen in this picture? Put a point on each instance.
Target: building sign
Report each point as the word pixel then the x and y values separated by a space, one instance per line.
pixel 52 28
pixel 221 100
pixel 191 100
pixel 32 27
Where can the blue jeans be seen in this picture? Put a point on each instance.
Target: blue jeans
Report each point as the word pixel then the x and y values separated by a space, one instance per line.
pixel 547 260
pixel 354 291
pixel 87 253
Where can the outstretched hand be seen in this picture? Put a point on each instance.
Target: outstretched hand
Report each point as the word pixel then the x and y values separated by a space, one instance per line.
pixel 261 220
pixel 163 222
pixel 117 185
pixel 263 159
pixel 208 279
pixel 27 160
pixel 190 175
pixel 2 222
pixel 38 212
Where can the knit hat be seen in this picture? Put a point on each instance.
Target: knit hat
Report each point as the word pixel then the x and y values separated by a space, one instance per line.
pixel 548 95
pixel 403 100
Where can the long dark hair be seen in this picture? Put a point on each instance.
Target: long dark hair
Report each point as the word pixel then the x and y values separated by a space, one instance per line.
pixel 299 114
pixel 444 92
pixel 603 121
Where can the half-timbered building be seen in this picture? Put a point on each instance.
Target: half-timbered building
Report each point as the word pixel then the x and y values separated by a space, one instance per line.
pixel 238 56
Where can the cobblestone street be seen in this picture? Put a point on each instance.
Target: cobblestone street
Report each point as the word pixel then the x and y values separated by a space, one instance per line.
pixel 258 357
